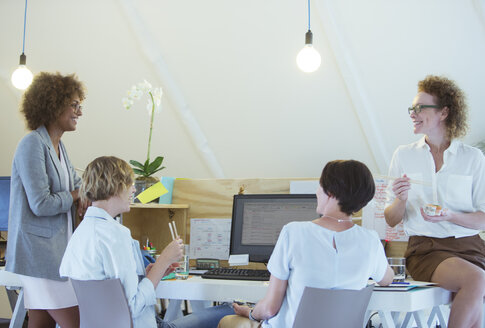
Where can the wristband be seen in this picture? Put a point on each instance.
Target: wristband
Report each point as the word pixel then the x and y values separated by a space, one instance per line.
pixel 251 316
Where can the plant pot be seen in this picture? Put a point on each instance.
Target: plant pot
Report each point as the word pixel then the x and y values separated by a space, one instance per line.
pixel 143 183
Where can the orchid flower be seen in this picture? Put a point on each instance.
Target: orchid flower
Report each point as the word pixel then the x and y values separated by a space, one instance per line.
pixel 153 103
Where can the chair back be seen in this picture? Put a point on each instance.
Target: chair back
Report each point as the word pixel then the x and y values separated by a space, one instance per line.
pixel 102 303
pixel 332 308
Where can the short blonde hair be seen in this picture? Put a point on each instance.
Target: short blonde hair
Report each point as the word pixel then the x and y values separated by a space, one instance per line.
pixel 105 177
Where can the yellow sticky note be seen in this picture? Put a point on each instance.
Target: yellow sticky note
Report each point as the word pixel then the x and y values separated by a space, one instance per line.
pixel 151 193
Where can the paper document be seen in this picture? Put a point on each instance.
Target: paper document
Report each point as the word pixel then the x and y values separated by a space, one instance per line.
pixel 239 259
pixel 151 193
pixel 209 238
pixel 403 286
pixel 373 215
pixel 168 184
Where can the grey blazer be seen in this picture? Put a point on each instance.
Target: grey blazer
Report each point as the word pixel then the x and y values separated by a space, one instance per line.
pixel 39 203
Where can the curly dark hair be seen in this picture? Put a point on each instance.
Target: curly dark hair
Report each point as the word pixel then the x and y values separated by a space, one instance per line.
pixel 47 97
pixel 350 182
pixel 447 94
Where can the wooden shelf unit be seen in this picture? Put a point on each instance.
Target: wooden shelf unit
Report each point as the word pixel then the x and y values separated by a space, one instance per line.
pixel 151 221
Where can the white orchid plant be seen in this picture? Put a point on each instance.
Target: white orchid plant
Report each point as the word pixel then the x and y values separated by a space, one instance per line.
pixel 155 97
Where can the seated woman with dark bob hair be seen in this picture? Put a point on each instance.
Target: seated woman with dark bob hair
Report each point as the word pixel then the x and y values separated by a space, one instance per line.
pixel 328 252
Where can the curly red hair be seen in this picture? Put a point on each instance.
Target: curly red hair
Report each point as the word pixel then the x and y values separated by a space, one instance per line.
pixel 447 94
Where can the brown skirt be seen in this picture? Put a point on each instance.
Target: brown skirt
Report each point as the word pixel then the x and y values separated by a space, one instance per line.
pixel 424 254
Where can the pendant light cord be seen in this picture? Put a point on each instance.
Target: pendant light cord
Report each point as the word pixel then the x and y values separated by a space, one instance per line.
pixel 308 14
pixel 25 21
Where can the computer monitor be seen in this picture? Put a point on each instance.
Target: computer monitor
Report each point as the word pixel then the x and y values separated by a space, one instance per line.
pixel 258 219
pixel 4 202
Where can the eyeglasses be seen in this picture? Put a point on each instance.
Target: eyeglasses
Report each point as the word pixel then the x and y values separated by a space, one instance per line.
pixel 418 108
pixel 76 106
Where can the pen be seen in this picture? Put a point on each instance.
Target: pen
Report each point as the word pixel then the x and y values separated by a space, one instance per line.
pixel 399 283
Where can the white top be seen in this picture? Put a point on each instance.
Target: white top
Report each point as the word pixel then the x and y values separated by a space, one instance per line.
pixel 47 294
pixel 66 186
pixel 459 186
pixel 304 255
pixel 101 248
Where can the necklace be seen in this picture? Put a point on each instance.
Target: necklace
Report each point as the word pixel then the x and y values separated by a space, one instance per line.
pixel 336 219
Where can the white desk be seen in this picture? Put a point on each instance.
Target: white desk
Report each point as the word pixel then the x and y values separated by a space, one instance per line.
pixel 11 280
pixel 388 304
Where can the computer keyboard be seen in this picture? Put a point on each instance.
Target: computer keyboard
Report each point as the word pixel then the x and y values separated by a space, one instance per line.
pixel 237 274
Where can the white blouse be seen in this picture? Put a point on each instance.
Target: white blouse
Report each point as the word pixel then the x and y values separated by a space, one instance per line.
pixel 304 256
pixel 459 186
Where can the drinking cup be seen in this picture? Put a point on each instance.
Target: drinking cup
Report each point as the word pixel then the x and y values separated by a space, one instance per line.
pixel 398 265
pixel 182 271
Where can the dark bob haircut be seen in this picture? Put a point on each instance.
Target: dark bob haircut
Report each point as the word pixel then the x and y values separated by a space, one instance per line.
pixel 48 96
pixel 350 182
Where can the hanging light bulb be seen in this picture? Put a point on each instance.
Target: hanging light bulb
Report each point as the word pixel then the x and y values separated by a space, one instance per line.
pixel 308 59
pixel 22 76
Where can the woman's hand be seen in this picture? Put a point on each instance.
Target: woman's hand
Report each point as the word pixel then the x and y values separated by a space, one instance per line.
pixel 400 187
pixel 75 195
pixel 173 252
pixel 171 268
pixel 241 310
pixel 446 215
pixel 165 262
pixel 395 212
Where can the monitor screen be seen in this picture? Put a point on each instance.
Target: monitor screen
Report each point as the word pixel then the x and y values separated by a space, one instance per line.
pixel 258 219
pixel 4 202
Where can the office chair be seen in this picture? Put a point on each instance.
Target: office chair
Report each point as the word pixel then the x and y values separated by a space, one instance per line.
pixel 332 307
pixel 102 303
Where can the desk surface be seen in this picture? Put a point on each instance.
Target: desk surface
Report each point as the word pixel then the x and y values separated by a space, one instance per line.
pixel 196 288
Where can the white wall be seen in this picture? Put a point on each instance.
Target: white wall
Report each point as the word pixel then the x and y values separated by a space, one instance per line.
pixel 233 65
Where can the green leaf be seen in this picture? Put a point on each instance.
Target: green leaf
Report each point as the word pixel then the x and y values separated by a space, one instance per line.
pixel 137 164
pixel 145 166
pixel 155 164
pixel 157 170
pixel 139 172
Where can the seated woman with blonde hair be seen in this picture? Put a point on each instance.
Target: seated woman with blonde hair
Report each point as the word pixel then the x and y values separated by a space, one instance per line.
pixel 101 248
pixel 328 252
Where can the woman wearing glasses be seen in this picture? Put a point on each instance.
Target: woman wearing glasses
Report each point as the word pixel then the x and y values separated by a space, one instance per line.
pixel 44 192
pixel 445 247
